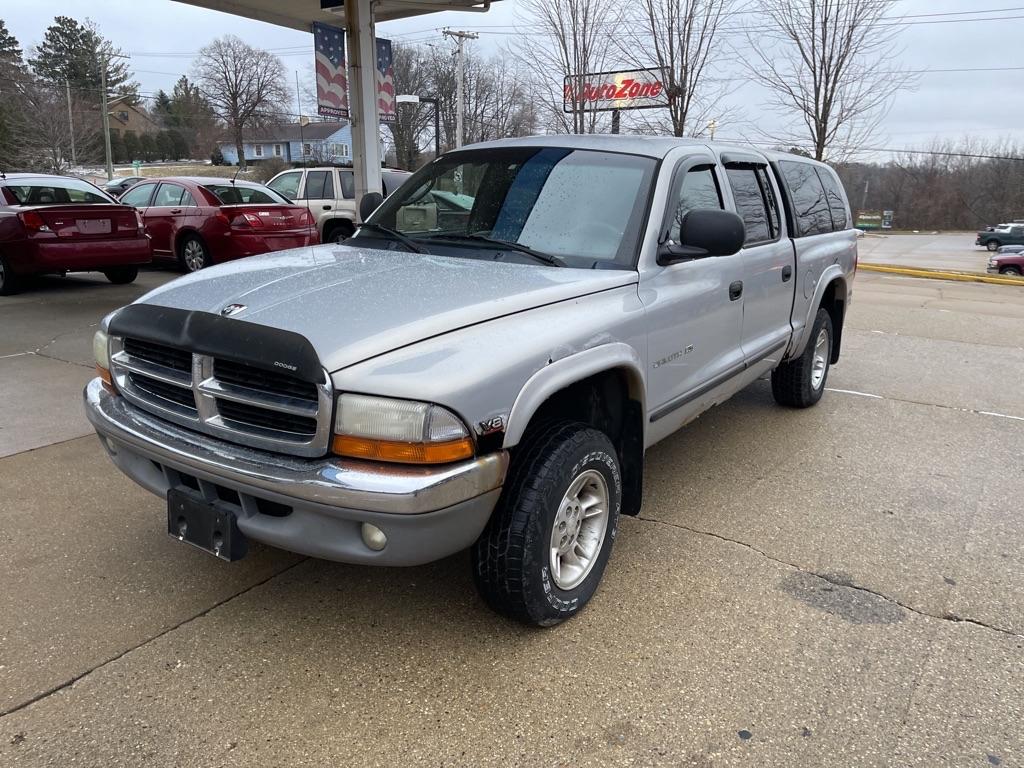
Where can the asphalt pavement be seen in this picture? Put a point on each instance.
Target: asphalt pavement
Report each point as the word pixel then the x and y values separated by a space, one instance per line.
pixel 834 587
pixel 948 250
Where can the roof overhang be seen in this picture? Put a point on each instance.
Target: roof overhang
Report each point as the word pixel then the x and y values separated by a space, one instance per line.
pixel 300 14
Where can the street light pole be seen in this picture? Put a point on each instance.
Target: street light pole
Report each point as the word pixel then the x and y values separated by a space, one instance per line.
pixel 413 99
pixel 71 123
pixel 106 118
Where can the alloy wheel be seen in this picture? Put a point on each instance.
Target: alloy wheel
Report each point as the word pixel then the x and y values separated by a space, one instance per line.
pixel 822 352
pixel 578 532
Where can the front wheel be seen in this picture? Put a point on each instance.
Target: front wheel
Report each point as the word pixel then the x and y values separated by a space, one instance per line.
pixel 800 383
pixel 993 245
pixel 121 275
pixel 543 553
pixel 10 283
pixel 1012 271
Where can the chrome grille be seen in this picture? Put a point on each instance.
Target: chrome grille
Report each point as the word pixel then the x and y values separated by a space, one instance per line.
pixel 224 398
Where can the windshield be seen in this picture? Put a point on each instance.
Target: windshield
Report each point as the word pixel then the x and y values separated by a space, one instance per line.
pixel 239 194
pixel 583 207
pixel 56 192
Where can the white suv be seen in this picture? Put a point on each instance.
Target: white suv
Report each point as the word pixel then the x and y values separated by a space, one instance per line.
pixel 329 193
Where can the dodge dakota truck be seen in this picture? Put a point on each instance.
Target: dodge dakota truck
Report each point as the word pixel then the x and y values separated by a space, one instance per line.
pixel 489 378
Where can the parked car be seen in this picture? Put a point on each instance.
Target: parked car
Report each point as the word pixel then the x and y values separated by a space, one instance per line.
pixel 995 239
pixel 57 224
pixel 201 221
pixel 490 383
pixel 329 193
pixel 118 186
pixel 1011 249
pixel 1007 262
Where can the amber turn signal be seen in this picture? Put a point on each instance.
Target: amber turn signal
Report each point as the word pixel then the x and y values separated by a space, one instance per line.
pixel 403 453
pixel 108 381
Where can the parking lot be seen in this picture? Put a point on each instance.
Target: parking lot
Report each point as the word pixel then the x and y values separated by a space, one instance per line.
pixel 840 586
pixel 949 250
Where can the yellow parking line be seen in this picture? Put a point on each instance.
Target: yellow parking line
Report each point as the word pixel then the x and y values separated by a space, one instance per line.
pixel 938 274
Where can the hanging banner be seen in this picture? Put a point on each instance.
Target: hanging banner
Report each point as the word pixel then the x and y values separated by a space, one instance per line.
pixel 386 103
pixel 331 76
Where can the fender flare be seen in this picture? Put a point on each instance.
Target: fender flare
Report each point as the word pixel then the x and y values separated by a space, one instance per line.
pixel 828 276
pixel 567 371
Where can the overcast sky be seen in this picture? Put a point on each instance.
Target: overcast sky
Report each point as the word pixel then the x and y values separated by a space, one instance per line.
pixel 162 38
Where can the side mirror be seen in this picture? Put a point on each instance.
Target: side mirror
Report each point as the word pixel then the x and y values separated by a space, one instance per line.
pixel 371 202
pixel 705 232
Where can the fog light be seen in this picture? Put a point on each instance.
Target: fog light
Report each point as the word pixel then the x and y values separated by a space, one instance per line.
pixel 374 537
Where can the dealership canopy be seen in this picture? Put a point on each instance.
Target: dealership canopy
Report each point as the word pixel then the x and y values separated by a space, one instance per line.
pixel 357 17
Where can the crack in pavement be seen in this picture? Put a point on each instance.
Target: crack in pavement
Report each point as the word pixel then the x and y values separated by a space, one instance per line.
pixel 957 408
pixel 71 681
pixel 950 617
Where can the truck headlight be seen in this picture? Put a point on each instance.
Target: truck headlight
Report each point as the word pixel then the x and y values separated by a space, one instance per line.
pixel 101 352
pixel 404 431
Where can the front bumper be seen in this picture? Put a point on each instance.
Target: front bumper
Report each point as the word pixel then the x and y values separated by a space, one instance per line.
pixel 317 506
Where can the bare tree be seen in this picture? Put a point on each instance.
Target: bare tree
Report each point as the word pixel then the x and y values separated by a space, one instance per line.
pixel 573 39
pixel 412 121
pixel 831 62
pixel 243 84
pixel 682 41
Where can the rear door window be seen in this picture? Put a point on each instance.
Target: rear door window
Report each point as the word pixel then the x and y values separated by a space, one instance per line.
pixel 138 197
pixel 751 204
pixel 319 185
pixel 810 206
pixel 834 194
pixel 698 190
pixel 168 196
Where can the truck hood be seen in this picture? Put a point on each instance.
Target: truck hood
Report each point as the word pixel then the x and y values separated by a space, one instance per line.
pixel 354 303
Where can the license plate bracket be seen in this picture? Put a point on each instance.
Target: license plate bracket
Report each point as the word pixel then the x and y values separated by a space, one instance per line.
pixel 94 226
pixel 208 525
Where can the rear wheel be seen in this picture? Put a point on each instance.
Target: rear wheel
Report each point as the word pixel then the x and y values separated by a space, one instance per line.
pixel 545 548
pixel 339 233
pixel 192 254
pixel 993 245
pixel 121 275
pixel 800 383
pixel 1013 271
pixel 10 283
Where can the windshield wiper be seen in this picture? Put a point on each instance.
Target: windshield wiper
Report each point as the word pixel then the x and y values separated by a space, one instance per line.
pixel 397 236
pixel 547 258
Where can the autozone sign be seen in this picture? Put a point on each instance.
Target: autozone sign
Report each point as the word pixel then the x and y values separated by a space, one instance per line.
pixel 626 89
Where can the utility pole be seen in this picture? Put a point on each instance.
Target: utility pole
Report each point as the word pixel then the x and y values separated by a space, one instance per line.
pixel 712 127
pixel 71 123
pixel 104 61
pixel 298 103
pixel 461 38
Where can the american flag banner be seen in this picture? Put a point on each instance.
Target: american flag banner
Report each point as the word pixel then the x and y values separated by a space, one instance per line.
pixel 386 103
pixel 331 77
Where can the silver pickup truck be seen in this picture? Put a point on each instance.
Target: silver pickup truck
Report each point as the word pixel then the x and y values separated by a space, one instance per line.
pixel 486 374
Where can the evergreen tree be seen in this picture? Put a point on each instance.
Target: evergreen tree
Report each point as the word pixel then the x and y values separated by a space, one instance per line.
pixel 179 144
pixel 11 73
pixel 73 53
pixel 164 145
pixel 10 50
pixel 131 147
pixel 117 148
pixel 147 147
pixel 162 109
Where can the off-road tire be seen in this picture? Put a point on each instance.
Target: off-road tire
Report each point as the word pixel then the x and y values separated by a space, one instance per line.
pixel 1012 271
pixel 792 382
pixel 10 283
pixel 121 275
pixel 993 245
pixel 511 565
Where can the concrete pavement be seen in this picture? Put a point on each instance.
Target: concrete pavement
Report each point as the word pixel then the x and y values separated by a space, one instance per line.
pixel 839 586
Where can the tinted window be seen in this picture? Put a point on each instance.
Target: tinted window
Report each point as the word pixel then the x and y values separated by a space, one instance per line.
pixel 138 197
pixel 771 202
pixel 237 194
pixel 834 194
pixel 699 190
pixel 56 192
pixel 348 184
pixel 810 206
pixel 287 184
pixel 750 204
pixel 168 195
pixel 319 185
pixel 187 200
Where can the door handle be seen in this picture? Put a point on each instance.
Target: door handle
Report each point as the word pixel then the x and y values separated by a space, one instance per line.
pixel 736 290
pixel 175 210
pixel 327 207
pixel 787 272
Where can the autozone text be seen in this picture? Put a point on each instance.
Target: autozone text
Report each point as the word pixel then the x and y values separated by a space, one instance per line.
pixel 627 89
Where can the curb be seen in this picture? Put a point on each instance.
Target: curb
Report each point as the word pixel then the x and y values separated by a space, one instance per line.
pixel 939 274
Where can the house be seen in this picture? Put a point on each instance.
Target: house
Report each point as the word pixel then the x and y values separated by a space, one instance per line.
pixel 321 142
pixel 125 116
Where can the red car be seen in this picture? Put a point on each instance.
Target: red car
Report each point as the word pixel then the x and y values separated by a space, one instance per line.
pixel 56 224
pixel 200 221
